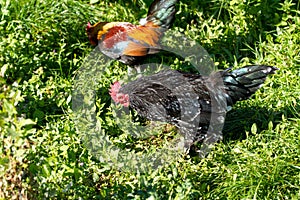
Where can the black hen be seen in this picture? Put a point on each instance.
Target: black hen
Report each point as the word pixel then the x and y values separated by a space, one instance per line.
pixel 193 103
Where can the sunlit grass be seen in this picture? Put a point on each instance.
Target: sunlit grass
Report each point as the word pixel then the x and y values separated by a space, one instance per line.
pixel 43 44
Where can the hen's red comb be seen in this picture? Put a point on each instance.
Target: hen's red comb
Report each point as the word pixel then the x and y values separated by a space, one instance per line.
pixel 114 90
pixel 118 97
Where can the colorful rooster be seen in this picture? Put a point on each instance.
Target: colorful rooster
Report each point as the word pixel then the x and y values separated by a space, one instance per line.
pixel 128 43
pixel 189 101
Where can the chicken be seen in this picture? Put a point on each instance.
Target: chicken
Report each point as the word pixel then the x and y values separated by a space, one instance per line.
pixel 191 102
pixel 129 43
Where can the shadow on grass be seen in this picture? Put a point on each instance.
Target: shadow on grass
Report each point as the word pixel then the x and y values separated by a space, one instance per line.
pixel 240 120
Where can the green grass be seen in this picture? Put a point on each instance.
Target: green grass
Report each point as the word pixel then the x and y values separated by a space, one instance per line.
pixel 42 46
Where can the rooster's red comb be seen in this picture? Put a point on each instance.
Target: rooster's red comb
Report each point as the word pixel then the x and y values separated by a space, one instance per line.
pixel 88 26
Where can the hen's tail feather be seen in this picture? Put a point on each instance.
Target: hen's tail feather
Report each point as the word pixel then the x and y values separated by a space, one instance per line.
pixel 241 83
pixel 161 13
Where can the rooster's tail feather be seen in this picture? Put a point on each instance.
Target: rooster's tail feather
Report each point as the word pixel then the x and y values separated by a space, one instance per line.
pixel 161 13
